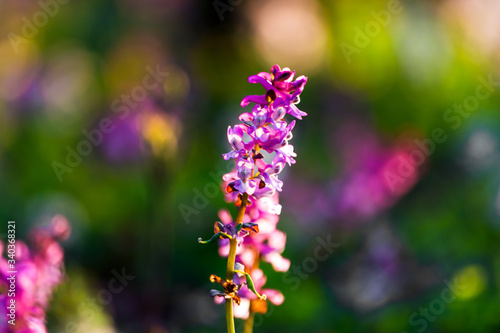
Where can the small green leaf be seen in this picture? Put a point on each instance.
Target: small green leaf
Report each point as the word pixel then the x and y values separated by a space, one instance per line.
pixel 251 286
pixel 214 237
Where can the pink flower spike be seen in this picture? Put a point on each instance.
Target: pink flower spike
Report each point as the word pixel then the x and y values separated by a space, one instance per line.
pixel 262 136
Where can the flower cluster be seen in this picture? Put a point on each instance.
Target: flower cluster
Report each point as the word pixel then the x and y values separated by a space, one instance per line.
pixel 39 271
pixel 265 129
pixel 266 244
pixel 253 185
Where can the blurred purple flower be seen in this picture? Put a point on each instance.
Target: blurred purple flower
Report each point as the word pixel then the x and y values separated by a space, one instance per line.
pixel 364 187
pixel 140 133
pixel 124 143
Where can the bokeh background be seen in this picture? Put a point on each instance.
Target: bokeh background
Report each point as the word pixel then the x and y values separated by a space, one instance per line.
pixel 383 77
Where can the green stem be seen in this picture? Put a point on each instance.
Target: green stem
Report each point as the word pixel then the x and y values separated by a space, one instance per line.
pixel 231 258
pixel 248 328
pixel 229 316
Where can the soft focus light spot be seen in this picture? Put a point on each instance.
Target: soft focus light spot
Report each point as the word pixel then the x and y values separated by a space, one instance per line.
pixel 480 149
pixel 479 22
pixel 472 281
pixel 161 132
pixel 372 66
pixel 289 32
pixel 68 80
pixel 60 226
pixel 17 70
pixel 423 48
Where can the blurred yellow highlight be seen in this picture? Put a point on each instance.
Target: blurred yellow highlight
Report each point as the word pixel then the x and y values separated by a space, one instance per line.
pixel 473 280
pixel 161 132
pixel 17 70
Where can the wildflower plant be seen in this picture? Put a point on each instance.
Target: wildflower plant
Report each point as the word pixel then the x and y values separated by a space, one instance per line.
pixel 261 150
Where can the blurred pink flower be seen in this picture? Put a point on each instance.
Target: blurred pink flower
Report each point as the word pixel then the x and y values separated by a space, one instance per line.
pixel 39 271
pixel 249 299
pixel 370 179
